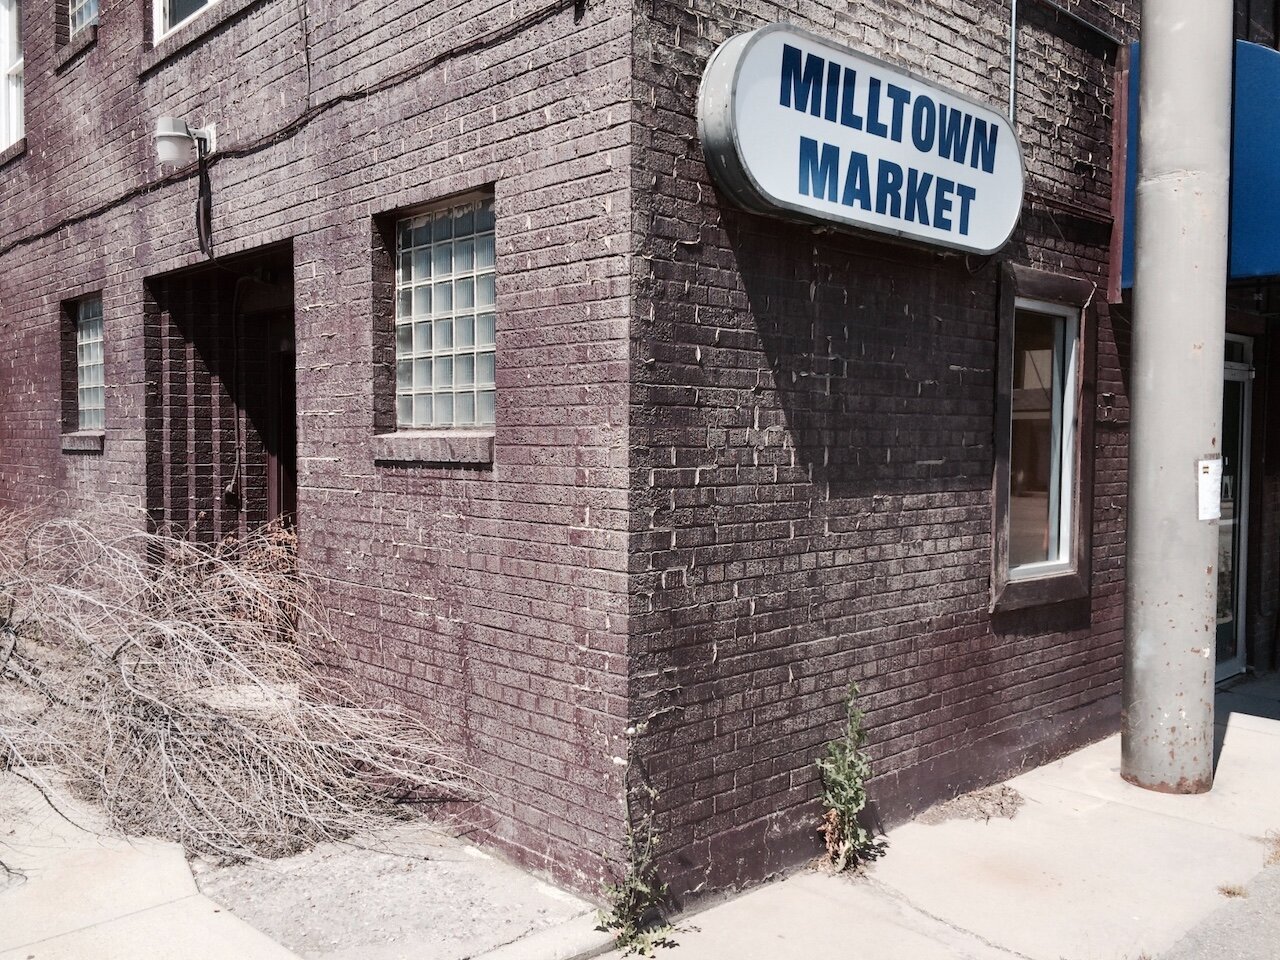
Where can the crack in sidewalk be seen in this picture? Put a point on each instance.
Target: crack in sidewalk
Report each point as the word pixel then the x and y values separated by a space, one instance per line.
pixel 902 899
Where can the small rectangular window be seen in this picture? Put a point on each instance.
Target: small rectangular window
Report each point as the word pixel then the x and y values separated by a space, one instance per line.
pixel 81 14
pixel 11 85
pixel 445 318
pixel 171 14
pixel 1042 482
pixel 90 383
pixel 1042 439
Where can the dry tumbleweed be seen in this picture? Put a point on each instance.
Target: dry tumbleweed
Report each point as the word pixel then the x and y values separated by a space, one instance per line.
pixel 184 689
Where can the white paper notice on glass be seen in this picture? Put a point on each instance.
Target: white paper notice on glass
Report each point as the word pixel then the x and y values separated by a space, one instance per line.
pixel 1209 473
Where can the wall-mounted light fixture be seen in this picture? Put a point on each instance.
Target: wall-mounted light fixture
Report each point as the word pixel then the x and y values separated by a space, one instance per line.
pixel 176 142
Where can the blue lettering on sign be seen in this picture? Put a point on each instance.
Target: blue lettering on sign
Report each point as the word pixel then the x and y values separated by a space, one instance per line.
pixel 900 97
pixel 966 195
pixel 918 185
pixel 953 133
pixel 833 90
pixel 820 174
pixel 942 204
pixel 801 86
pixel 875 126
pixel 847 116
pixel 857 181
pixel 827 89
pixel 924 123
pixel 888 187
pixel 902 193
pixel 984 146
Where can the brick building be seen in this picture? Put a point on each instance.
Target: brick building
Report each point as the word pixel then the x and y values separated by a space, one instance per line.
pixel 574 445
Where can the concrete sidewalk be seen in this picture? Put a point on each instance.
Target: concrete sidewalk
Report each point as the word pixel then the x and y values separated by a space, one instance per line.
pixel 1090 868
pixel 84 895
pixel 80 894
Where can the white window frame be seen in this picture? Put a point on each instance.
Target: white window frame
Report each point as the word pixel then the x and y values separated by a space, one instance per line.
pixel 1065 430
pixel 12 125
pixel 73 7
pixel 160 14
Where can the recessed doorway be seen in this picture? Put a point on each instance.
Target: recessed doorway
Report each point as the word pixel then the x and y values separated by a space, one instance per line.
pixel 221 396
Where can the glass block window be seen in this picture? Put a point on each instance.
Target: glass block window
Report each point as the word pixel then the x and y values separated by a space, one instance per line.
pixel 90 384
pixel 81 14
pixel 445 317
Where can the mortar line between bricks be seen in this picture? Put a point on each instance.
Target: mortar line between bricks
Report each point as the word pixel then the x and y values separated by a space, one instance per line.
pixel 898 896
pixel 109 920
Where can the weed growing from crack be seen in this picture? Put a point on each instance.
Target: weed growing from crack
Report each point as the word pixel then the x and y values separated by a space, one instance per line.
pixel 844 773
pixel 1272 842
pixel 635 902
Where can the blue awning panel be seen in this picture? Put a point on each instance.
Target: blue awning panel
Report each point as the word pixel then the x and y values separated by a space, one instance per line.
pixel 1255 164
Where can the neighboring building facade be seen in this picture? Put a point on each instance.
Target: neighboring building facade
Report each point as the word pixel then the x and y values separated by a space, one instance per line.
pixel 574 446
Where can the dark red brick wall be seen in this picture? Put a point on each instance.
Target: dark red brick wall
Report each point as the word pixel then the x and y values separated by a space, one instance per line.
pixel 738 463
pixel 812 457
pixel 493 598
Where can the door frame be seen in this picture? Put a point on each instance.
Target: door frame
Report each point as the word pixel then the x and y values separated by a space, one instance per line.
pixel 1241 372
pixel 282 445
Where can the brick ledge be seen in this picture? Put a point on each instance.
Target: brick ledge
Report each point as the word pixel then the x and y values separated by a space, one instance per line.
pixel 13 151
pixel 72 49
pixel 83 441
pixel 435 446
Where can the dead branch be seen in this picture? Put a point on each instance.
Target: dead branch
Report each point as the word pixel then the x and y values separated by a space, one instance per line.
pixel 181 688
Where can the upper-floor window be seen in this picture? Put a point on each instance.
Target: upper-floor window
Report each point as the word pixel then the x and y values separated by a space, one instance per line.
pixel 81 14
pixel 11 126
pixel 445 320
pixel 171 14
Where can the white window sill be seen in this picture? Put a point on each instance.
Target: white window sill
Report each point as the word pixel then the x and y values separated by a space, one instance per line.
pixel 472 446
pixel 1035 571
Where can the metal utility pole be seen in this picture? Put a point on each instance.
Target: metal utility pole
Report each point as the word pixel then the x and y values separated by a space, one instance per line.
pixel 1180 263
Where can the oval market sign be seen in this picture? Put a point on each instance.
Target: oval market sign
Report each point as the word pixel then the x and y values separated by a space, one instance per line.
pixel 794 125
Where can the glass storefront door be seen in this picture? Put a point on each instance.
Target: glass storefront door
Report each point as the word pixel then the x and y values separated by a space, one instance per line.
pixel 1237 396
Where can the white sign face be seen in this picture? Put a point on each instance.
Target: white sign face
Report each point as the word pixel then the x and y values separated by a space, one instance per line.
pixel 1209 489
pixel 793 124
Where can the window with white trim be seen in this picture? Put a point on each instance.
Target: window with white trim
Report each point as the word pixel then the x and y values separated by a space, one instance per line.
pixel 445 317
pixel 81 14
pixel 11 124
pixel 1042 438
pixel 172 14
pixel 90 383
pixel 1042 485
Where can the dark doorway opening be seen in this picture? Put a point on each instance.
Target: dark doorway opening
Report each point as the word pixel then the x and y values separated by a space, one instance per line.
pixel 221 407
pixel 280 433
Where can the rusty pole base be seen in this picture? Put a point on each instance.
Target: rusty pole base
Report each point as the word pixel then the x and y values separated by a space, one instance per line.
pixel 1184 785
